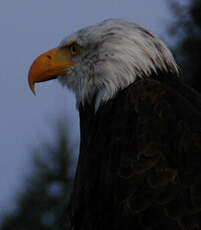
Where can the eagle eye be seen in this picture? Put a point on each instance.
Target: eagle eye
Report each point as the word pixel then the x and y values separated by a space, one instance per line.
pixel 74 49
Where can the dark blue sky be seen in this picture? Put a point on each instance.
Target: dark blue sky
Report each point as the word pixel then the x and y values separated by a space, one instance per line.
pixel 28 28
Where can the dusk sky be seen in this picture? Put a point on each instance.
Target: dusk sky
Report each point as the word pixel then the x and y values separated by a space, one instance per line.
pixel 28 28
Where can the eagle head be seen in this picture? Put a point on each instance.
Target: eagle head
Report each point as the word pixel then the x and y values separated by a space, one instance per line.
pixel 102 59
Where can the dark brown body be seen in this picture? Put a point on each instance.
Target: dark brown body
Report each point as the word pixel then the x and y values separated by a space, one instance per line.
pixel 140 160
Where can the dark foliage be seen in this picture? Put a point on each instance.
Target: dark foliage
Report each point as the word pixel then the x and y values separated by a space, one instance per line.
pixel 43 203
pixel 186 28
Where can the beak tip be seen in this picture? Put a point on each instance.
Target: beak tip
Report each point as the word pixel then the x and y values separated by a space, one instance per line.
pixel 33 91
pixel 32 87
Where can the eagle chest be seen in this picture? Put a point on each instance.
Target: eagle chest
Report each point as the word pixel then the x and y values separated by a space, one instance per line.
pixel 109 135
pixel 107 153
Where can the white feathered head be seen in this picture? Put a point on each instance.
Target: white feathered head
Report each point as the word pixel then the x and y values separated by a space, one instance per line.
pixel 102 59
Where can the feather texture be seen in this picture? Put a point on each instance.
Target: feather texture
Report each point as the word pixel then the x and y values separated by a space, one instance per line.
pixel 113 53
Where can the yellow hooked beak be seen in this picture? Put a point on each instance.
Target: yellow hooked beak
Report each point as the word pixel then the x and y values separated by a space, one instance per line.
pixel 49 65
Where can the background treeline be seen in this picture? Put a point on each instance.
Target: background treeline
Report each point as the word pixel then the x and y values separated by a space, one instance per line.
pixel 185 37
pixel 43 203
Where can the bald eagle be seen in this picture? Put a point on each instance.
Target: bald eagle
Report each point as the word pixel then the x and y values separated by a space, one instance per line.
pixel 140 152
